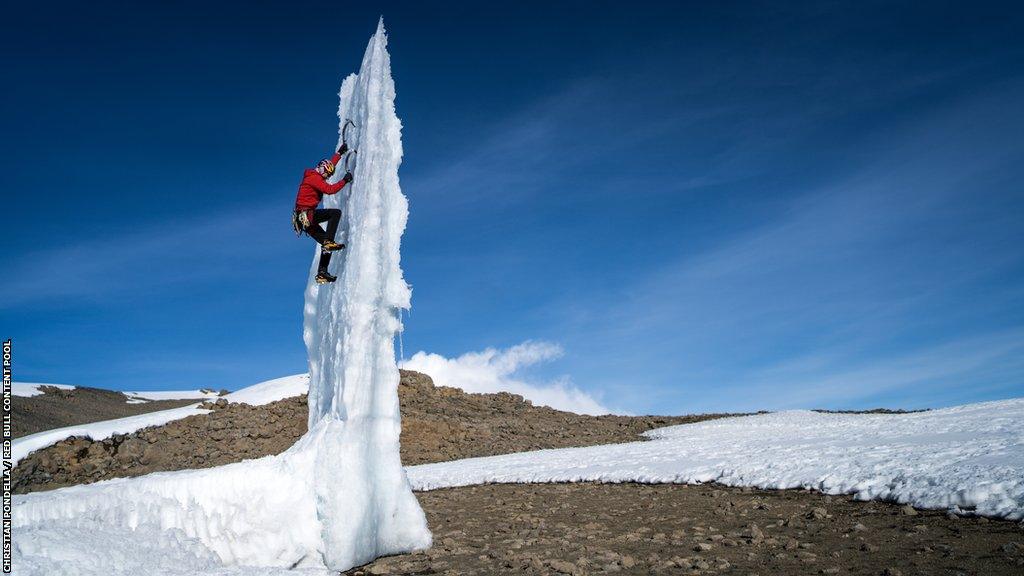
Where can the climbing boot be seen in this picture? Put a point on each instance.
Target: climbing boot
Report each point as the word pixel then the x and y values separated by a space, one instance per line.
pixel 324 277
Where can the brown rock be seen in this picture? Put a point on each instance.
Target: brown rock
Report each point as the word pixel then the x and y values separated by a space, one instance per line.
pixel 818 513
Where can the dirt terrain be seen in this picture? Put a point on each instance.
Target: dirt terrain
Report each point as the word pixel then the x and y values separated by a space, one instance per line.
pixel 438 424
pixel 677 529
pixel 58 407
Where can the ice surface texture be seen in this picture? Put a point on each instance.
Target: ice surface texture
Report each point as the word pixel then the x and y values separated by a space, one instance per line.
pixel 967 458
pixel 339 497
pixel 363 497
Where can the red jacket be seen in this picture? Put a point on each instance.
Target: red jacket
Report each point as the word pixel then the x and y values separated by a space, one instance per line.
pixel 314 186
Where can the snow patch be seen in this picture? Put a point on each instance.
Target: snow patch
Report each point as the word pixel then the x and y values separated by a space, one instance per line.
pixel 271 390
pixel 967 458
pixel 136 397
pixel 29 389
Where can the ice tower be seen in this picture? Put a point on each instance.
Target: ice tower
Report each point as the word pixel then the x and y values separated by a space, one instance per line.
pixel 339 497
pixel 363 498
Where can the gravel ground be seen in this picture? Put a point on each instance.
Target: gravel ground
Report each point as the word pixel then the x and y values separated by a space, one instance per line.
pixel 705 529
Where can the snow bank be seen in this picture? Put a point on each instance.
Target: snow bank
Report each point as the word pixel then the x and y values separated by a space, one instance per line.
pixel 271 390
pixel 256 395
pixel 253 513
pixel 28 389
pixel 967 458
pixel 337 498
pixel 134 397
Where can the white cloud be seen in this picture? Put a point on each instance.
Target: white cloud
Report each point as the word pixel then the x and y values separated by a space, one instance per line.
pixel 494 370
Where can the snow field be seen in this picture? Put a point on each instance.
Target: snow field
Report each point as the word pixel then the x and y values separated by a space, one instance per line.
pixel 967 458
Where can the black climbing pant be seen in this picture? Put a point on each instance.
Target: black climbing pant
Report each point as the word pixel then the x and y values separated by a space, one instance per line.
pixel 332 216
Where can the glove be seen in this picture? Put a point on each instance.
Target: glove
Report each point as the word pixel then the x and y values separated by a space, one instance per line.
pixel 343 148
pixel 348 177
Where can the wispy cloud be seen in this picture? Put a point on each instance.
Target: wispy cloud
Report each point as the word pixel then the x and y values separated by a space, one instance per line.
pixel 551 140
pixel 951 371
pixel 494 370
pixel 135 259
pixel 895 277
pixel 888 269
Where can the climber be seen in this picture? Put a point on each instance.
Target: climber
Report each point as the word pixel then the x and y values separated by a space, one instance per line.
pixel 307 217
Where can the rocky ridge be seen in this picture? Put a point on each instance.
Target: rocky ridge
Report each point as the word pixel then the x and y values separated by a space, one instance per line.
pixel 60 407
pixel 438 424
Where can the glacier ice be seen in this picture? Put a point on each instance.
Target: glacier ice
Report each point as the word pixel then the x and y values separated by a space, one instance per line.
pixel 337 498
pixel 363 496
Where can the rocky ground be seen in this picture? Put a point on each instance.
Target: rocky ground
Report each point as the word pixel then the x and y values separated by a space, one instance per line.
pixel 438 424
pixel 569 528
pixel 58 407
pixel 672 529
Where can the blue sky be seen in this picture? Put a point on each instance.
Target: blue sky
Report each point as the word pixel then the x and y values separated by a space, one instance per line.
pixel 699 206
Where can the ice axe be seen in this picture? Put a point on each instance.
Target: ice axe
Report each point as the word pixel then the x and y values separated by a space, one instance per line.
pixel 349 160
pixel 344 130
